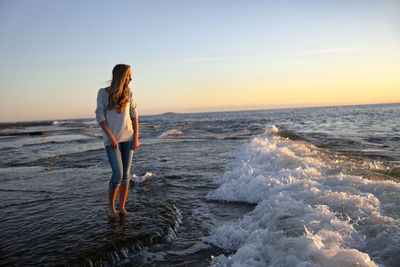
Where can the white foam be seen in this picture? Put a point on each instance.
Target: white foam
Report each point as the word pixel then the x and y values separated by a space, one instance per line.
pixel 91 122
pixel 171 133
pixel 305 215
pixel 141 179
pixel 63 122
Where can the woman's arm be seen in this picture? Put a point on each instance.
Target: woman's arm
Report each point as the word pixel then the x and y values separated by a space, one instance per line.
pixel 135 142
pixel 135 122
pixel 107 131
pixel 101 118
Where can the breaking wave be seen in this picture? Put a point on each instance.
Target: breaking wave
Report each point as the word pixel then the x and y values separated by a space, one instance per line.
pixel 171 133
pixel 309 210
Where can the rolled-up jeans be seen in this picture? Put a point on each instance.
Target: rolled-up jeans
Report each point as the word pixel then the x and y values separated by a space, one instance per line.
pixel 120 160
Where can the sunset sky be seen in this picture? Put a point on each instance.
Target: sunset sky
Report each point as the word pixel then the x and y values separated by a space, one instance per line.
pixel 197 56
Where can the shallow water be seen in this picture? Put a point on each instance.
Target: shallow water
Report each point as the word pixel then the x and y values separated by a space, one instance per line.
pixel 315 186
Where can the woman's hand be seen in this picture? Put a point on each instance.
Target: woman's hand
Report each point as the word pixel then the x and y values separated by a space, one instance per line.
pixel 113 142
pixel 135 144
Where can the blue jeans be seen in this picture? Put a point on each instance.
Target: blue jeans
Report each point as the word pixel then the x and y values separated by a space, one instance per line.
pixel 120 161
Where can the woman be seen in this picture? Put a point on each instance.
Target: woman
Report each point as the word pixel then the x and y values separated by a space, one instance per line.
pixel 117 116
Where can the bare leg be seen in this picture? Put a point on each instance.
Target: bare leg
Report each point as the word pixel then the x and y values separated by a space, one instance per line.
pixel 112 194
pixel 123 192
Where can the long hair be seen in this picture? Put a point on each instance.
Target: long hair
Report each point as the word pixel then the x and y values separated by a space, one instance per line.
pixel 119 90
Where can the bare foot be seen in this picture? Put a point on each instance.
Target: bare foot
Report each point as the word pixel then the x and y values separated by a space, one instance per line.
pixel 112 213
pixel 123 212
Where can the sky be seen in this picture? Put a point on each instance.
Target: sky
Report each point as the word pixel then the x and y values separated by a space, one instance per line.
pixel 197 56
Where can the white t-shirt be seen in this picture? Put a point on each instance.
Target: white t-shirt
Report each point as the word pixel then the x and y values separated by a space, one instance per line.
pixel 120 124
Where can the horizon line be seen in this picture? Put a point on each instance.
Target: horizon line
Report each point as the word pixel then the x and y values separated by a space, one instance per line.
pixel 272 108
pixel 248 108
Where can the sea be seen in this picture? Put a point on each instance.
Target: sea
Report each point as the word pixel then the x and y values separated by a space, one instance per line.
pixel 285 187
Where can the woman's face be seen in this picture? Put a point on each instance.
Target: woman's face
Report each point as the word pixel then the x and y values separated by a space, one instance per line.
pixel 129 77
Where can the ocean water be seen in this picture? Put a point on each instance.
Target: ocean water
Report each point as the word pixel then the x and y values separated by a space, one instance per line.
pixel 288 187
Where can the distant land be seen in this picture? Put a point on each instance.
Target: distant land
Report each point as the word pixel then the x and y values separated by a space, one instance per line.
pixel 170 113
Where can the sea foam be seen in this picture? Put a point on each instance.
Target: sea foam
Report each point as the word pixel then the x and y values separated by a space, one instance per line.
pixel 308 212
pixel 141 179
pixel 171 133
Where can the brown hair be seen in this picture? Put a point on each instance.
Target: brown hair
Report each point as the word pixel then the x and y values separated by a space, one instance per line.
pixel 119 90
